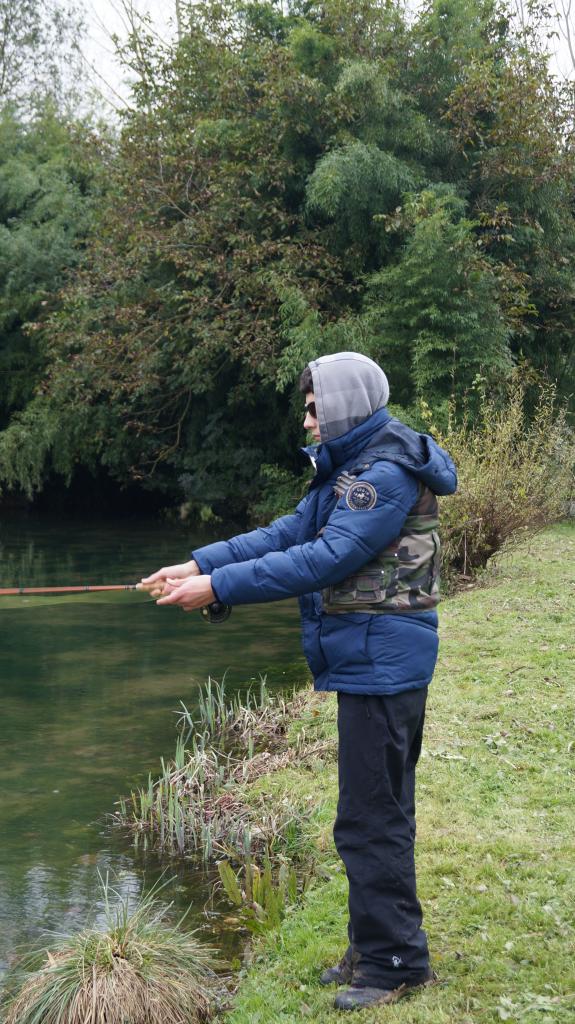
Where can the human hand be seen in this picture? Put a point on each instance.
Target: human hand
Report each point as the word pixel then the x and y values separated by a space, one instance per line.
pixel 157 583
pixel 189 594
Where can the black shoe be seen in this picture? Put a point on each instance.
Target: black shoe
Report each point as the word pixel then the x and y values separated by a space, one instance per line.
pixel 341 974
pixel 362 998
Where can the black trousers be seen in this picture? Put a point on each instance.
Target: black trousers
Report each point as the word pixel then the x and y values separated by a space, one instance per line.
pixel 379 745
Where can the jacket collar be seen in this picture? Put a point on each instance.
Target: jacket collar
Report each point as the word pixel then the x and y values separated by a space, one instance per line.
pixel 330 455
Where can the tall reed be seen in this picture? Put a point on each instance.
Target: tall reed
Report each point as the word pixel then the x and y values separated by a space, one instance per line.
pixel 197 804
pixel 237 720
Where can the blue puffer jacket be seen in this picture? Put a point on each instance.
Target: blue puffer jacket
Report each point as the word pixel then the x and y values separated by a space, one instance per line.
pixel 356 652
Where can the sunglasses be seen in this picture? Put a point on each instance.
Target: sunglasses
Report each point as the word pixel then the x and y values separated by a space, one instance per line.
pixel 311 409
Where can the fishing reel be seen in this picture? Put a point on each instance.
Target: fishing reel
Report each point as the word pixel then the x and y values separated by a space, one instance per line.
pixel 216 612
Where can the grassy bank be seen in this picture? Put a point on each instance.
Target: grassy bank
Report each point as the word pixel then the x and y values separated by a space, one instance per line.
pixel 496 818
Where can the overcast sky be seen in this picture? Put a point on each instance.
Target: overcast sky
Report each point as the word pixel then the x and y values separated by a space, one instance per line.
pixel 105 18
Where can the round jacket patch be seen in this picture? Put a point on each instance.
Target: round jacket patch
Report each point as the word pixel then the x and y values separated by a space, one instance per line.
pixel 361 497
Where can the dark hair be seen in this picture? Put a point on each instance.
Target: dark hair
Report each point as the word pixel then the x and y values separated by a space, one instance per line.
pixel 306 381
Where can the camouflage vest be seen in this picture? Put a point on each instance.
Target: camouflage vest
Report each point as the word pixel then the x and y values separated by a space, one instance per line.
pixel 404 576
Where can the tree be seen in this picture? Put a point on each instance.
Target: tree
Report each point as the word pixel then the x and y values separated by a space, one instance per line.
pixel 436 311
pixel 49 160
pixel 514 125
pixel 48 191
pixel 290 181
pixel 38 48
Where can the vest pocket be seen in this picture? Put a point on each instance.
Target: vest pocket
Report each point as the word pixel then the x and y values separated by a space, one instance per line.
pixel 366 587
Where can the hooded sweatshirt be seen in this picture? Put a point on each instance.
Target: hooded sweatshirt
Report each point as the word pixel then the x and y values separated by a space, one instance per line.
pixel 334 532
pixel 348 387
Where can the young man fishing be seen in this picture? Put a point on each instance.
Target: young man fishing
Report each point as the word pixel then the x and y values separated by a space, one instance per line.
pixel 362 554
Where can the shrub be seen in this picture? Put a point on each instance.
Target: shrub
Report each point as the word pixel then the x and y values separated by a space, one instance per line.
pixel 516 475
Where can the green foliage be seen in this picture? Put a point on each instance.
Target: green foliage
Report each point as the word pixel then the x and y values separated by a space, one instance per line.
pixel 48 190
pixel 314 52
pixel 305 337
pixel 447 37
pixel 239 721
pixel 280 492
pixel 45 438
pixel 350 186
pixel 437 308
pixel 198 805
pixel 39 56
pixel 512 123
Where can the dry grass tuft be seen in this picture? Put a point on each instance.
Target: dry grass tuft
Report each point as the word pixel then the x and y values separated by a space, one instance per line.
pixel 140 970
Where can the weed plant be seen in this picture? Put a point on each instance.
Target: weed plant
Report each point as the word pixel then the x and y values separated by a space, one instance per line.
pixel 263 893
pixel 139 970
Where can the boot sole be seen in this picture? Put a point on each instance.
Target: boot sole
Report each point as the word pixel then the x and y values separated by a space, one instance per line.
pixel 391 996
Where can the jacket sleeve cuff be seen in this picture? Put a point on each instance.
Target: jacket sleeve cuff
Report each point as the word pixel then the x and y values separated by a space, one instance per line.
pixel 212 556
pixel 237 584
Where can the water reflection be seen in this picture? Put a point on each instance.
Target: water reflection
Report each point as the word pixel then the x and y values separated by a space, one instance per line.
pixel 56 902
pixel 88 698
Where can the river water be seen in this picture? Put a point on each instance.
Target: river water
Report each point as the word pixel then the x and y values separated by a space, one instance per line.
pixel 89 688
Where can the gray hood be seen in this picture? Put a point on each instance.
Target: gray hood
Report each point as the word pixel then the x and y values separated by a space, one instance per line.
pixel 348 388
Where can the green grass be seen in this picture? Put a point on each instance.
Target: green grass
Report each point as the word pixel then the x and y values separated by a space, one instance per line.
pixel 496 818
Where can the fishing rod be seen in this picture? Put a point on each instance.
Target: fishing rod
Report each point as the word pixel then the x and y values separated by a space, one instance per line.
pixel 215 612
pixel 19 591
